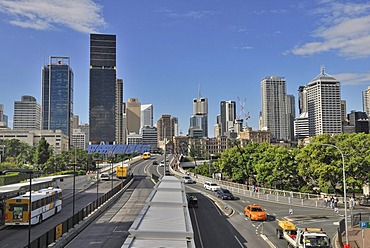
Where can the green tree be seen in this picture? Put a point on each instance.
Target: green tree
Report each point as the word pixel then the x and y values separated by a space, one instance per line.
pixel 43 152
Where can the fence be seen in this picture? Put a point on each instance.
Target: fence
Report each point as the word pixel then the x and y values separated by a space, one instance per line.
pixel 51 236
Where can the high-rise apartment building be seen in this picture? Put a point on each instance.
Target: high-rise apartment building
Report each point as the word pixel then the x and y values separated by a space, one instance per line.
pixel 120 111
pixel 324 107
pixel 57 95
pixel 27 114
pixel 228 116
pixel 146 115
pixel 274 108
pixel 3 122
pixel 366 100
pixel 102 97
pixel 133 115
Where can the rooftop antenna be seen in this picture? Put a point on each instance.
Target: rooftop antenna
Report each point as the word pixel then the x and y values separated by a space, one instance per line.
pixel 199 95
pixel 322 70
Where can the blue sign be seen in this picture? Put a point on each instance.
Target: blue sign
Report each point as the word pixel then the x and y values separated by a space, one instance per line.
pixel 364 224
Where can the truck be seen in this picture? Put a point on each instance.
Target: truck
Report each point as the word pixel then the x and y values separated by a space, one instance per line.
pixel 302 237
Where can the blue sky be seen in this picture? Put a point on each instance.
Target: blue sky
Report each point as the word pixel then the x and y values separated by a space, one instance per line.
pixel 166 48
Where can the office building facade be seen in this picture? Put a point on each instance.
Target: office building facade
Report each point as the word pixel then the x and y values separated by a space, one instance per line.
pixel 366 100
pixel 274 108
pixel 120 111
pixel 146 115
pixel 227 116
pixel 102 95
pixel 324 105
pixel 57 95
pixel 27 114
pixel 133 115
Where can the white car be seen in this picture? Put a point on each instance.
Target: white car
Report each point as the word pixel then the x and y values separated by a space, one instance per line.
pixel 187 179
pixel 211 186
pixel 105 176
pixel 161 163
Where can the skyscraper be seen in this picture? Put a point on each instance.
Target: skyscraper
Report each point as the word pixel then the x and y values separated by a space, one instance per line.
pixel 120 111
pixel 274 108
pixel 290 116
pixel 27 114
pixel 146 115
pixel 228 116
pixel 166 127
pixel 133 115
pixel 366 100
pixel 200 116
pixel 102 107
pixel 324 108
pixel 57 95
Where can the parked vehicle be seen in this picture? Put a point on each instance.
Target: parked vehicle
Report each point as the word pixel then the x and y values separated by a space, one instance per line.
pixel 211 186
pixel 192 201
pixel 225 194
pixel 302 237
pixel 255 212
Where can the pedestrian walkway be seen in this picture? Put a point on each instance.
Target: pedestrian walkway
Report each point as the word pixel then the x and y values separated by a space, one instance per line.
pixel 355 239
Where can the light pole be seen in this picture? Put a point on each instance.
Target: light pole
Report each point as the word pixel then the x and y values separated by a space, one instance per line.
pixel 111 163
pixel 30 172
pixel 97 181
pixel 344 191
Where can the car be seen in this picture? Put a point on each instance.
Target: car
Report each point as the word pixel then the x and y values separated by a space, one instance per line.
pixel 224 194
pixel 104 176
pixel 255 212
pixel 155 162
pixel 192 201
pixel 211 186
pixel 187 179
pixel 161 163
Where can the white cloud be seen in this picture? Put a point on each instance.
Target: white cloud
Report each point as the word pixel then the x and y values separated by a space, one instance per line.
pixel 81 15
pixel 343 27
pixel 193 14
pixel 353 78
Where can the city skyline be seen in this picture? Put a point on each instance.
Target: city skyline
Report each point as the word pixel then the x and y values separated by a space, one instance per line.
pixel 166 49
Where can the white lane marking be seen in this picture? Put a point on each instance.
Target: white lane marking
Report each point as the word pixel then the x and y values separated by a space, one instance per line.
pixel 241 245
pixel 198 230
pixel 267 241
pixel 219 212
pixel 146 167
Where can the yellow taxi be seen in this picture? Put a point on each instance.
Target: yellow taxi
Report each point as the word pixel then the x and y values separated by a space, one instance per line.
pixel 255 212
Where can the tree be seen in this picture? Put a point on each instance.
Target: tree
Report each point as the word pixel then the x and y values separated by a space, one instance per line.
pixel 43 152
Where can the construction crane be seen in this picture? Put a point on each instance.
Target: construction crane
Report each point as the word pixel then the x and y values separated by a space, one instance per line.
pixel 243 112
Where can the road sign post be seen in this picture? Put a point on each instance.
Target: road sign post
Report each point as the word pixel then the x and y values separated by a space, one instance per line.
pixel 363 225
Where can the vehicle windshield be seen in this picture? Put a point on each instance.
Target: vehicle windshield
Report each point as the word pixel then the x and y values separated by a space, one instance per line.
pixel 316 241
pixel 213 184
pixel 226 191
pixel 257 210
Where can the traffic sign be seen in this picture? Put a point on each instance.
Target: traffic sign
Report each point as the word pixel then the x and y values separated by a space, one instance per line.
pixel 364 224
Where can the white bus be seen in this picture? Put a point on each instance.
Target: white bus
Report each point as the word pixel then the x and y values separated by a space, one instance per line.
pixel 45 203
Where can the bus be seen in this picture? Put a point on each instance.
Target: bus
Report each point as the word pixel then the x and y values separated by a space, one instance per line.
pixel 145 155
pixel 122 171
pixel 45 203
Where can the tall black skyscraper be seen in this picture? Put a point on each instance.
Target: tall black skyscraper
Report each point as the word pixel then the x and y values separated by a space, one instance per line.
pixel 102 110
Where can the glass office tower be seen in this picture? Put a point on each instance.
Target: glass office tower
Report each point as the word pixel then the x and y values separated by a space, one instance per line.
pixel 57 95
pixel 102 109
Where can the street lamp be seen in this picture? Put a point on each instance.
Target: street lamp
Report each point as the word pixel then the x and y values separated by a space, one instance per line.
pixel 344 189
pixel 30 172
pixel 97 160
pixel 111 163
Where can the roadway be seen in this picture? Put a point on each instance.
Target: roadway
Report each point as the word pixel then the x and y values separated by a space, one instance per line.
pixel 252 233
pixel 211 227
